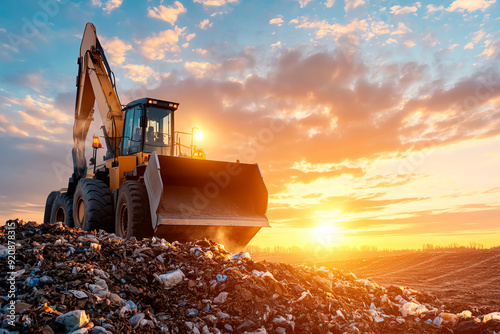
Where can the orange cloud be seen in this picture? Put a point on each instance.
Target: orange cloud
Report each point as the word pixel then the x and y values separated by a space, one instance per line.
pixel 167 13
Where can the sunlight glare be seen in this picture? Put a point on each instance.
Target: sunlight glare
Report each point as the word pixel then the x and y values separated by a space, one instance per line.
pixel 326 233
pixel 198 135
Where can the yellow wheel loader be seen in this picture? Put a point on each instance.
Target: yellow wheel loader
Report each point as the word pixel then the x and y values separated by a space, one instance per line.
pixel 144 187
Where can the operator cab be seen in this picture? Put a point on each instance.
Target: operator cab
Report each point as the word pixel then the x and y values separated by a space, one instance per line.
pixel 148 127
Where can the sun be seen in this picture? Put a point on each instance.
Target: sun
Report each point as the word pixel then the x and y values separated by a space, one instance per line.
pixel 326 233
pixel 198 135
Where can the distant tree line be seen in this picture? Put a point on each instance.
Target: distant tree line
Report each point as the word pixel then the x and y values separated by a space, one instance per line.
pixel 324 249
pixel 453 246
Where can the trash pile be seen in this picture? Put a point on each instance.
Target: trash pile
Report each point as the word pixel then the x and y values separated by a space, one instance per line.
pixel 71 281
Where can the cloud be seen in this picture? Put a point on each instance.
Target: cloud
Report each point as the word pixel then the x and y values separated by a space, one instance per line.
pixel 470 5
pixel 398 10
pixel 140 73
pixel 201 51
pixel 214 3
pixel 492 49
pixel 323 28
pixel 116 49
pixel 453 114
pixel 286 92
pixel 369 201
pixel 36 117
pixel 303 3
pixel 326 100
pixel 350 36
pixel 423 224
pixel 329 3
pixel 432 9
pixel 200 69
pixel 276 45
pixel 478 36
pixel 159 44
pixel 224 66
pixel 28 190
pixel 380 28
pixel 402 29
pixel 475 39
pixel 431 40
pixel 167 13
pixel 351 4
pixel 107 5
pixel 205 24
pixel 276 20
pixel 35 80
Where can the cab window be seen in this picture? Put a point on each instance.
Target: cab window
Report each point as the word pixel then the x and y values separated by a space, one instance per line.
pixel 158 136
pixel 132 131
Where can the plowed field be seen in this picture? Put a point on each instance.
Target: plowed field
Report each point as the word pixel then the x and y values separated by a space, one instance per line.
pixel 458 278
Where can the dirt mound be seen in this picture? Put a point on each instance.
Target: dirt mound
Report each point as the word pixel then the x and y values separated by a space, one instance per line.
pixel 463 279
pixel 69 280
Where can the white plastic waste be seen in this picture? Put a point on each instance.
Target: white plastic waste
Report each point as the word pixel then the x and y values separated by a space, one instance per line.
pixel 304 295
pixel 95 247
pixel 465 314
pixel 400 299
pixel 492 316
pixel 136 320
pixel 221 298
pixel 100 288
pixel 241 255
pixel 79 294
pixel 263 274
pixel 171 278
pixel 375 315
pixel 438 321
pixel 73 320
pixel 453 318
pixel 411 308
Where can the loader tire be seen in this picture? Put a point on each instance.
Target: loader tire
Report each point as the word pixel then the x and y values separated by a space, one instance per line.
pixel 48 206
pixel 132 215
pixel 62 210
pixel 92 206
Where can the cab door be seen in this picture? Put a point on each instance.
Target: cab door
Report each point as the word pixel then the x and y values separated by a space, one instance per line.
pixel 133 132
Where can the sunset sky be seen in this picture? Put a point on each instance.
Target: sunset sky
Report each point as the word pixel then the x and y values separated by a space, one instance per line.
pixel 373 122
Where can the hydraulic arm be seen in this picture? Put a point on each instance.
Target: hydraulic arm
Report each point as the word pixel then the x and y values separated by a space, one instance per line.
pixel 95 82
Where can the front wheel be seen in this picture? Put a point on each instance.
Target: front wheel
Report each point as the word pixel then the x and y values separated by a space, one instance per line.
pixel 62 210
pixel 132 215
pixel 48 206
pixel 92 206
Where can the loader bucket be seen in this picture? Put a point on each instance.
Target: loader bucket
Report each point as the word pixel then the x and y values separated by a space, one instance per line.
pixel 192 199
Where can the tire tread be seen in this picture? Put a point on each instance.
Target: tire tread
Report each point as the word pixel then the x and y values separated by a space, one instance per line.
pixel 138 206
pixel 65 201
pixel 98 205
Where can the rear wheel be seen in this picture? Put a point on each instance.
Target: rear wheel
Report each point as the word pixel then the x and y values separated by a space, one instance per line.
pixel 132 215
pixel 92 206
pixel 48 206
pixel 62 210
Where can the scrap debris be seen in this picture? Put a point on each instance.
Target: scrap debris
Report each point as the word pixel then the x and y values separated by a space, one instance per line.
pixel 71 281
